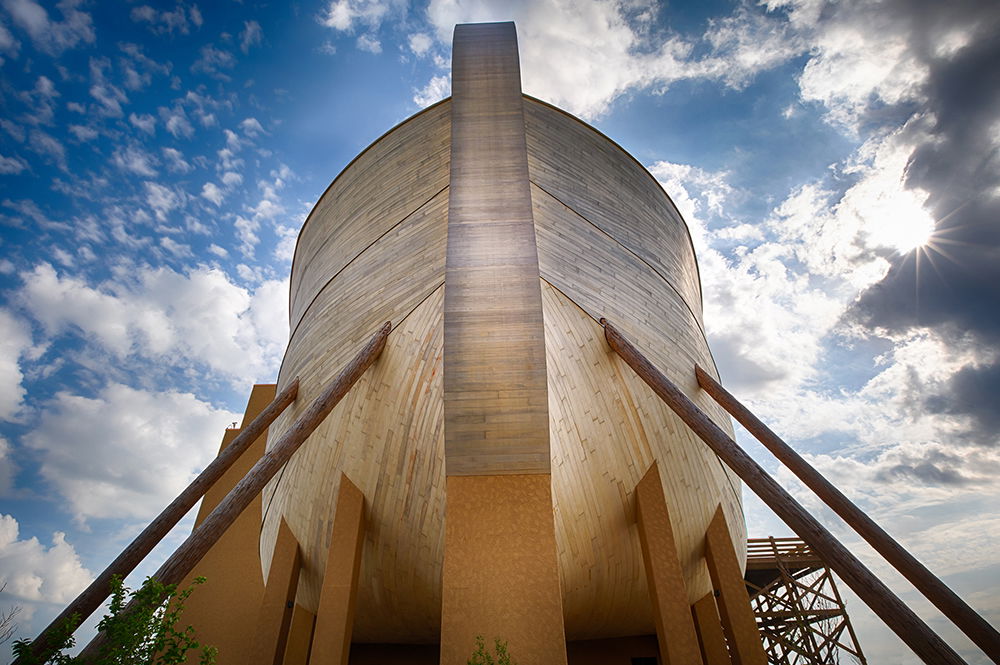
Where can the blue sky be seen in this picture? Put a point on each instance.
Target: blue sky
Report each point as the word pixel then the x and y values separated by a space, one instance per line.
pixel 836 162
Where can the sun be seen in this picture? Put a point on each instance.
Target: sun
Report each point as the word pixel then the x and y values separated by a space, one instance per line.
pixel 901 223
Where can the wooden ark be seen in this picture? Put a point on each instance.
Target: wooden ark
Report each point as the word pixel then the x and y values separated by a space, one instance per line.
pixel 497 442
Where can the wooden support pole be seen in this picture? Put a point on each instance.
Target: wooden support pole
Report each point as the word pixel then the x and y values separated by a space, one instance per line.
pixel 270 634
pixel 91 598
pixel 964 617
pixel 710 635
pixel 738 622
pixel 335 617
pixel 675 630
pixel 900 618
pixel 201 539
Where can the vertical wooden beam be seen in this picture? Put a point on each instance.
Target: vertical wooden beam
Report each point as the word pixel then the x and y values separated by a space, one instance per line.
pixel 710 636
pixel 270 634
pixel 897 616
pixel 335 617
pixel 738 621
pixel 964 617
pixel 674 626
pixel 495 386
pixel 300 635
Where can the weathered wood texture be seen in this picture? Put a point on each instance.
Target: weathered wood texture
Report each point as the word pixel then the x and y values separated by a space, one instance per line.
pixel 967 619
pixel 900 618
pixel 269 635
pixel 607 428
pixel 91 598
pixel 495 404
pixel 384 185
pixel 711 639
pixel 387 435
pixel 335 618
pixel 501 577
pixel 589 173
pixel 674 624
pixel 738 622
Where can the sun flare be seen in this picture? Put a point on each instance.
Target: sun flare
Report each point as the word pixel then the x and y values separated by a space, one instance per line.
pixel 902 222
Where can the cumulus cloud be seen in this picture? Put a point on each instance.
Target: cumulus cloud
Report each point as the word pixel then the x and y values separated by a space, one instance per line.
pixel 133 159
pixel 250 36
pixel 144 122
pixel 344 15
pixel 34 572
pixel 175 161
pixel 369 43
pixel 162 199
pixel 15 340
pixel 213 61
pixel 213 193
pixel 133 450
pixel 167 22
pixel 420 43
pixel 12 165
pixel 436 89
pixel 198 318
pixel 582 56
pixel 49 36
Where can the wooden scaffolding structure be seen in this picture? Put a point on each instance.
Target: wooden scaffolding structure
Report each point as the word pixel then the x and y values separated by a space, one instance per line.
pixel 800 613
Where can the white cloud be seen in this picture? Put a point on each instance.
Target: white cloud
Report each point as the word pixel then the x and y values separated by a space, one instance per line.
pixel 251 127
pixel 343 15
pixel 178 319
pixel 37 573
pixel 436 89
pixel 218 251
pixel 83 133
pixel 144 122
pixel 420 43
pixel 166 22
pixel 48 36
pixel 161 199
pixel 9 165
pixel 7 469
pixel 176 122
pixel 369 43
pixel 8 44
pixel 582 56
pixel 132 452
pixel 48 146
pixel 109 97
pixel 213 193
pixel 231 178
pixel 175 161
pixel 212 61
pixel 134 159
pixel 250 36
pixel 15 340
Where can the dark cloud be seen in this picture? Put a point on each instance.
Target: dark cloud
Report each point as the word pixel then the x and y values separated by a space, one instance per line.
pixel 973 391
pixel 953 285
pixel 934 468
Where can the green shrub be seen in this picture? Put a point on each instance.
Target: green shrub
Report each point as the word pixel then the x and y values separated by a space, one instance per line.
pixel 483 657
pixel 144 634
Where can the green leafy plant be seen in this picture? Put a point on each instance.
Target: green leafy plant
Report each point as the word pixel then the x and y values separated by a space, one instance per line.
pixel 497 656
pixel 140 627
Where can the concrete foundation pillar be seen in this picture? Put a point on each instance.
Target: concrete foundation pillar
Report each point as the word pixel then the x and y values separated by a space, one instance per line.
pixel 674 626
pixel 270 633
pixel 738 621
pixel 331 644
pixel 501 578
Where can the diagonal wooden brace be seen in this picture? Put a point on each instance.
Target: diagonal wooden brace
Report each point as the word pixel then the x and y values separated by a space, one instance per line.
pixel 964 617
pixel 201 540
pixel 897 616
pixel 91 598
